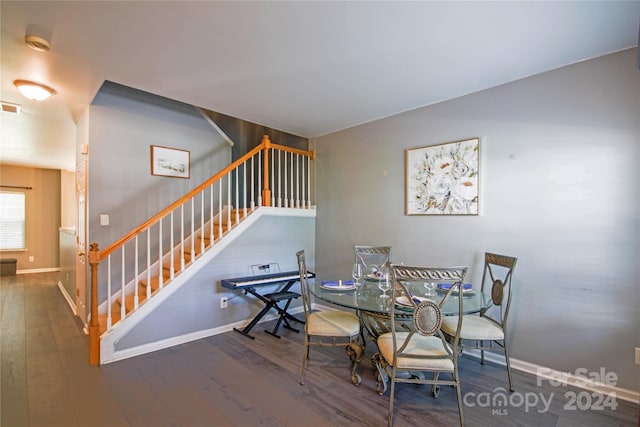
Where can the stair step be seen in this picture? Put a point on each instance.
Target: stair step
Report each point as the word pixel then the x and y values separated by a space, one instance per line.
pixel 155 283
pixel 129 301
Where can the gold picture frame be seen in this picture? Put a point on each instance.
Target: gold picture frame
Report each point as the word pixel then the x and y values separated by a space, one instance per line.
pixel 170 162
pixel 443 179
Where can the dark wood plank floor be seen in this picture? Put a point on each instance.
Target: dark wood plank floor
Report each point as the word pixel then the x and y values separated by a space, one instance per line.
pixel 229 380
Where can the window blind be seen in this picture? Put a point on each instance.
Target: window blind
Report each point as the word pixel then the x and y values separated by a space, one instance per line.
pixel 12 220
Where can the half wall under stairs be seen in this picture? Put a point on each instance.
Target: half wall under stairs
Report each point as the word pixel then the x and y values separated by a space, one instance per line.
pixel 111 341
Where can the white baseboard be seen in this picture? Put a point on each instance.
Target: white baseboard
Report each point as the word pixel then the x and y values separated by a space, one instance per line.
pixel 182 339
pixel 552 374
pixel 67 297
pixel 38 270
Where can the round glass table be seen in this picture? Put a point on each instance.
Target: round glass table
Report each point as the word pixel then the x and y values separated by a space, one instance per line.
pixel 368 298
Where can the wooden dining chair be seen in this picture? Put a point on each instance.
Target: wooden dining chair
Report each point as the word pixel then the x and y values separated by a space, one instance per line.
pixel 326 328
pixel 488 331
pixel 416 350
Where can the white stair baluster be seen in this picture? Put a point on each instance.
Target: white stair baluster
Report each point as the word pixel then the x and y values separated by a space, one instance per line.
pixel 271 184
pixel 291 203
pixel 244 188
pixel 123 295
pixel 135 277
pixel 148 262
pixel 279 179
pixel 260 178
pixel 160 275
pixel 253 194
pixel 211 225
pixel 109 302
pixel 237 171
pixel 229 201
pixel 202 245
pixel 308 182
pixel 171 256
pixel 286 181
pixel 220 219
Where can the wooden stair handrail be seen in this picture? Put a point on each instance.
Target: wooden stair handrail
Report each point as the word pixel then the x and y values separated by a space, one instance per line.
pixel 148 223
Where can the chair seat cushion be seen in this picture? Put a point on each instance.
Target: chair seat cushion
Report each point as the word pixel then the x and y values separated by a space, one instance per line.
pixel 473 328
pixel 420 345
pixel 333 323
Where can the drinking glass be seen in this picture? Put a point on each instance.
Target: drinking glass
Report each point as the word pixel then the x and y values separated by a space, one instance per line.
pixel 357 274
pixel 384 284
pixel 430 287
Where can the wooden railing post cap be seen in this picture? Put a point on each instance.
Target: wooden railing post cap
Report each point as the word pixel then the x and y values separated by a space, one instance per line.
pixel 94 253
pixel 265 139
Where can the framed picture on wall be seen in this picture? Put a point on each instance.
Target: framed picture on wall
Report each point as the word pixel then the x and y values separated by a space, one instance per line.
pixel 169 162
pixel 443 179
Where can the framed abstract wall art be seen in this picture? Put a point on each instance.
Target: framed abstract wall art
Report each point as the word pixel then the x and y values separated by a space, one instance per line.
pixel 443 179
pixel 169 162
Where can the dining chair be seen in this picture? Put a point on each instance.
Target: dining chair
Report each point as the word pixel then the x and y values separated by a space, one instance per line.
pixel 372 255
pixel 488 331
pixel 416 350
pixel 326 328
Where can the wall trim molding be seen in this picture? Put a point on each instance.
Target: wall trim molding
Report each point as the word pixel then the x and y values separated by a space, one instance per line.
pixel 38 270
pixel 566 377
pixel 67 297
pixel 182 339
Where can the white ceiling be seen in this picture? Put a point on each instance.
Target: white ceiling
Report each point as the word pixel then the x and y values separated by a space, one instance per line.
pixel 308 68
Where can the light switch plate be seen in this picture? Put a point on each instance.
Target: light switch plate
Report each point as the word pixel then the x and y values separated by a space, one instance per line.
pixel 637 355
pixel 104 219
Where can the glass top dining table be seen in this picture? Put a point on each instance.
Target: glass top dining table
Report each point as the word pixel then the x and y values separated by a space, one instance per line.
pixel 368 298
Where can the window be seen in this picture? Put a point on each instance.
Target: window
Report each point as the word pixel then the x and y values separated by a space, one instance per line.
pixel 12 218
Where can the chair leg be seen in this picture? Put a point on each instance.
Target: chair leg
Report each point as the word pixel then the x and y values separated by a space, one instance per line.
pixel 506 357
pixel 391 395
pixel 459 396
pixel 305 357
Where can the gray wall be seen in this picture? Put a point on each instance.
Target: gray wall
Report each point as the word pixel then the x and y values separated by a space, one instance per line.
pixel 195 307
pixel 123 124
pixel 559 190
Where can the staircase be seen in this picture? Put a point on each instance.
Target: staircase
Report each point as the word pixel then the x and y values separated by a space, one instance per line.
pixel 144 267
pixel 151 285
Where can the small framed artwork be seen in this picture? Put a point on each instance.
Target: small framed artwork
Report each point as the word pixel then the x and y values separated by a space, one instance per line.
pixel 169 162
pixel 443 179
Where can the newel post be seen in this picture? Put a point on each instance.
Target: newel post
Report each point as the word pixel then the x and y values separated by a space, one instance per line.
pixel 94 324
pixel 266 192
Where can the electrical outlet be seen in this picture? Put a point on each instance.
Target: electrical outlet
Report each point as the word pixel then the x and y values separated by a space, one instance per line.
pixel 223 302
pixel 32 258
pixel 637 355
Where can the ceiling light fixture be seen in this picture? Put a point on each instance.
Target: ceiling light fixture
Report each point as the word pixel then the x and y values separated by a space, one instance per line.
pixel 33 90
pixel 37 43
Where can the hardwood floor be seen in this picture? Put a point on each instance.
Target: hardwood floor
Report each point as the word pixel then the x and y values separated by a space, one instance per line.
pixel 229 380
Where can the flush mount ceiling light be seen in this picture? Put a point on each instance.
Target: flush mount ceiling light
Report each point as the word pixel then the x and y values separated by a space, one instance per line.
pixel 37 43
pixel 33 90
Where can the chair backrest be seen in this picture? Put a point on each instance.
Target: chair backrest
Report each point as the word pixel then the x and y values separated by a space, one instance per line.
pixel 304 283
pixel 497 274
pixel 426 316
pixel 372 255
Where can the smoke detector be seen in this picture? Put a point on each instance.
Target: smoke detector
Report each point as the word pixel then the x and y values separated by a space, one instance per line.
pixel 37 43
